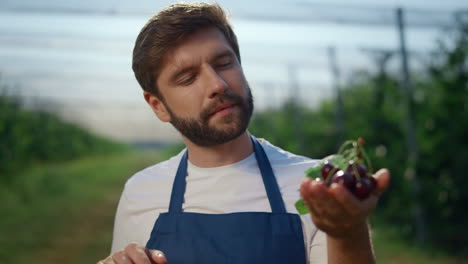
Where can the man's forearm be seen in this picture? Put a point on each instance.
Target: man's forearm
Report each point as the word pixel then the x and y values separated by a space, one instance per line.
pixel 356 248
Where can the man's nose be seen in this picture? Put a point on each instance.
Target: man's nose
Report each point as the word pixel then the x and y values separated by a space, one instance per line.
pixel 216 84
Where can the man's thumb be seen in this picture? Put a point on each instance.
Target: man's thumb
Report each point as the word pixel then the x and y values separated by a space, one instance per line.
pixel 158 257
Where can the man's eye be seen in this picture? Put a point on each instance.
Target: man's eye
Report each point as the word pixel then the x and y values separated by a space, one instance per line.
pixel 224 64
pixel 186 80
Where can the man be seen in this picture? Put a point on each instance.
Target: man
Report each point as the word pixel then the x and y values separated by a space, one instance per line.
pixel 229 197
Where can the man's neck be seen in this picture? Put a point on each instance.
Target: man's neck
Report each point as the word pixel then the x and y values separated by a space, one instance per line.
pixel 220 155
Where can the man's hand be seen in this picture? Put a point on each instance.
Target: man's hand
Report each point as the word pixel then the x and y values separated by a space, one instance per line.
pixel 335 210
pixel 343 217
pixel 135 254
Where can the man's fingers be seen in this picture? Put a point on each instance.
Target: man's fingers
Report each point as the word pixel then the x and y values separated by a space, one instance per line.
pixel 137 253
pixel 317 190
pixel 383 180
pixel 121 258
pixel 108 260
pixel 322 202
pixel 157 256
pixel 314 194
pixel 345 198
pixel 351 203
pixel 305 193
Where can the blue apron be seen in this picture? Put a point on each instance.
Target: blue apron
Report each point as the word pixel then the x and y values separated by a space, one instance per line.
pixel 241 238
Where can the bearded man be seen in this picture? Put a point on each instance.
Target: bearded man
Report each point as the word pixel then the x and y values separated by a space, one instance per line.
pixel 229 196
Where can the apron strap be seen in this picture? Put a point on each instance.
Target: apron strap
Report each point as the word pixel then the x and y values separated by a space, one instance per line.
pixel 178 187
pixel 269 180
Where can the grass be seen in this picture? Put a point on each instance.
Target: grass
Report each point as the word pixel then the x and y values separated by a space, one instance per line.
pixel 391 249
pixel 51 206
pixel 64 213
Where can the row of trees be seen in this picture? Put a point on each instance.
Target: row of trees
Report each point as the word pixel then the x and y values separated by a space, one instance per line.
pixel 441 120
pixel 35 136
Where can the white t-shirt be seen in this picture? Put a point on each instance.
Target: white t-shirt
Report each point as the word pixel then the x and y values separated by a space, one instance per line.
pixel 232 188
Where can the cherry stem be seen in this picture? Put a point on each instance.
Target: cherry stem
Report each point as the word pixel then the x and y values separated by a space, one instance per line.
pixel 367 160
pixel 345 144
pixel 352 150
pixel 330 175
pixel 356 172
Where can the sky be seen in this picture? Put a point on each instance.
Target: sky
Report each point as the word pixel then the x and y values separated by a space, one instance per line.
pixel 74 57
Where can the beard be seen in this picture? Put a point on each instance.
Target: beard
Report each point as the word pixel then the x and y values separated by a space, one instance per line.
pixel 200 132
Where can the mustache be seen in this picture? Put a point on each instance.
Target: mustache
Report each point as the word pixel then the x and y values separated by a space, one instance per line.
pixel 229 98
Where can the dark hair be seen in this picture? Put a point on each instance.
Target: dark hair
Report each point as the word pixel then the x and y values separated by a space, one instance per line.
pixel 166 29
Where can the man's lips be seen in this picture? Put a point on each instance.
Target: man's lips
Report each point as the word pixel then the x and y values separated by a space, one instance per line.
pixel 221 107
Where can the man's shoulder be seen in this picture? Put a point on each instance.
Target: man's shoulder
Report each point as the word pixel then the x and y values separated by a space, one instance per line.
pixel 155 175
pixel 281 157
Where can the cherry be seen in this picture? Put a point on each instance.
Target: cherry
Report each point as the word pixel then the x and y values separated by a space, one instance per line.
pixel 360 169
pixel 326 169
pixel 349 169
pixel 363 188
pixel 344 178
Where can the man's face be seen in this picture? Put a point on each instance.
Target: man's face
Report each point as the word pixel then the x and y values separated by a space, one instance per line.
pixel 206 95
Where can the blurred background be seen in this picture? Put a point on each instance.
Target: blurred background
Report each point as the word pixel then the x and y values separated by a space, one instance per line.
pixel 74 125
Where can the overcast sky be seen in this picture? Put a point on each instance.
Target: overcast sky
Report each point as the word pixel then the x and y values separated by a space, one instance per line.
pixel 78 53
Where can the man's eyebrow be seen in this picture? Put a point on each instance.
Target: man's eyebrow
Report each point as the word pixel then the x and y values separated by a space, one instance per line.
pixel 226 53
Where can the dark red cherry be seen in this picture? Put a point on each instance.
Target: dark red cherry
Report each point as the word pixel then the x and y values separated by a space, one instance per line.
pixel 344 178
pixel 326 169
pixel 356 167
pixel 363 188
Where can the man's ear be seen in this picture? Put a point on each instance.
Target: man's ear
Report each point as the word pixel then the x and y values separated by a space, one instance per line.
pixel 158 106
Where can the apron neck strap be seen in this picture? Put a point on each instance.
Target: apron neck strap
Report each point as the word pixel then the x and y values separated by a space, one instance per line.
pixel 269 180
pixel 178 187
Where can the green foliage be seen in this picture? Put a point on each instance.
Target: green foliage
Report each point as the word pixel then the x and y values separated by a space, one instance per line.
pixel 374 109
pixel 28 137
pixel 54 212
pixel 301 207
pixel 277 127
pixel 443 122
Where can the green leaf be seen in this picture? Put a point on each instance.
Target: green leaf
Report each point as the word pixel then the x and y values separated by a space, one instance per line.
pixel 314 172
pixel 301 207
pixel 337 160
